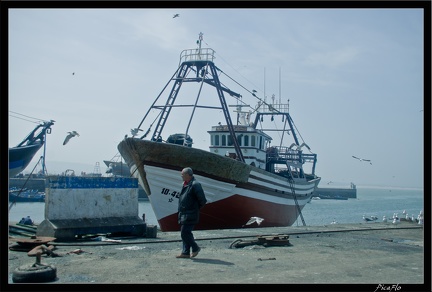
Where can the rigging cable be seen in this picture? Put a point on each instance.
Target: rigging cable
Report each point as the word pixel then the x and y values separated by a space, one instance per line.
pixel 261 102
pixel 35 122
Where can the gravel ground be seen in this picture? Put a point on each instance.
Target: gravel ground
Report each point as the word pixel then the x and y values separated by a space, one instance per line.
pixel 336 254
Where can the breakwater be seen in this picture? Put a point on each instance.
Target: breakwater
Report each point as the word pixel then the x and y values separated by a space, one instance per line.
pixel 334 193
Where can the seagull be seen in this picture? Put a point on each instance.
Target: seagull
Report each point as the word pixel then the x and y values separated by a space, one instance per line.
pixel 362 159
pixel 384 219
pixel 407 217
pixel 366 219
pixel 68 137
pixel 176 15
pixel 374 218
pixel 73 73
pixel 301 146
pixel 258 220
pixel 134 131
pixel 420 218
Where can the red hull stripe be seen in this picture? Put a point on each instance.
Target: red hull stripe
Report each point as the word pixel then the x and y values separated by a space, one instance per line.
pixel 234 212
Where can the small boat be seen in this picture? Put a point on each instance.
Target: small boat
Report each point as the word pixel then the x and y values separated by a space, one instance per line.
pixel 16 195
pixel 243 174
pixel 21 155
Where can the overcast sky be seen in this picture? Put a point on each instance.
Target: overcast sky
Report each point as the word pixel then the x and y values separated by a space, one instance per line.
pixel 354 78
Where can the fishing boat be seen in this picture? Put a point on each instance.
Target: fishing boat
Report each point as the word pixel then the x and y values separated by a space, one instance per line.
pixel 117 167
pixel 24 195
pixel 21 155
pixel 242 174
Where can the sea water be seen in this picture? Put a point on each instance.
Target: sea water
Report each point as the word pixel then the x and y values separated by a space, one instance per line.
pixel 369 202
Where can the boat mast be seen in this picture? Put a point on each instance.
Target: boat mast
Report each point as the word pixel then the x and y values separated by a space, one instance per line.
pixel 43 160
pixel 200 61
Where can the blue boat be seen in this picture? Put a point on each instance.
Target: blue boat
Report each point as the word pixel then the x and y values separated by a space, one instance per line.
pixel 16 195
pixel 21 155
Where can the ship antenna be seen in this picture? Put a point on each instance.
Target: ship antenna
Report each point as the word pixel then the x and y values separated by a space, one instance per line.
pixel 265 84
pixel 280 91
pixel 199 44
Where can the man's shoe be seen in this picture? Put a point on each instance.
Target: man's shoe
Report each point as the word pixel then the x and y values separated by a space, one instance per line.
pixel 195 253
pixel 183 256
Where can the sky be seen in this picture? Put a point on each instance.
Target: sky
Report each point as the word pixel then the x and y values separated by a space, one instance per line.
pixel 354 79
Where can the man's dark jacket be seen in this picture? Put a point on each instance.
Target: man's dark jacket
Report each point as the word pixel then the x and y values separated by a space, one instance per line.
pixel 191 200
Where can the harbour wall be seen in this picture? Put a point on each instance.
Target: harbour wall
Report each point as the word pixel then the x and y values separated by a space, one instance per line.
pixel 76 206
pixel 350 193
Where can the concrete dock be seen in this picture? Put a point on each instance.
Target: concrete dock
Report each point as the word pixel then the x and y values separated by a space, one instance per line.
pixel 365 255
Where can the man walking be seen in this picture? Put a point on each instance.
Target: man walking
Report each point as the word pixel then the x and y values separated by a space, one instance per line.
pixel 191 200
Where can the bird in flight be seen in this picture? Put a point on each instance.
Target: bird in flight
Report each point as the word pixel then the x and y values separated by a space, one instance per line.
pixel 362 159
pixel 176 15
pixel 258 220
pixel 71 135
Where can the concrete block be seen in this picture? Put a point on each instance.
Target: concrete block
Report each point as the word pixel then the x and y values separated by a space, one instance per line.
pixel 77 206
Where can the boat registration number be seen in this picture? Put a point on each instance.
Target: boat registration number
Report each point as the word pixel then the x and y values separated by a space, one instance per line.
pixel 168 192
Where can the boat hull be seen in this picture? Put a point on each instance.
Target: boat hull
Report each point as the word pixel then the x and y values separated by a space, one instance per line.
pixel 20 157
pixel 26 197
pixel 235 191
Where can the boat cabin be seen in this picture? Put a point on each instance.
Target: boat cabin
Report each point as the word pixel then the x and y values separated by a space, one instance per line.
pixel 253 143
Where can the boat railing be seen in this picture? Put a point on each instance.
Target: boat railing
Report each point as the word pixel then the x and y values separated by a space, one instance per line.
pixel 286 154
pixel 274 108
pixel 202 54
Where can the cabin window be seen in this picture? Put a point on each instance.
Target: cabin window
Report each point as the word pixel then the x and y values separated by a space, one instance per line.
pixel 246 140
pixel 239 140
pixel 261 144
pixel 223 140
pixel 216 140
pixel 230 140
pixel 253 141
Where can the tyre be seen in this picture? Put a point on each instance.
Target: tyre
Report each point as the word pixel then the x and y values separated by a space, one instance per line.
pixel 34 273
